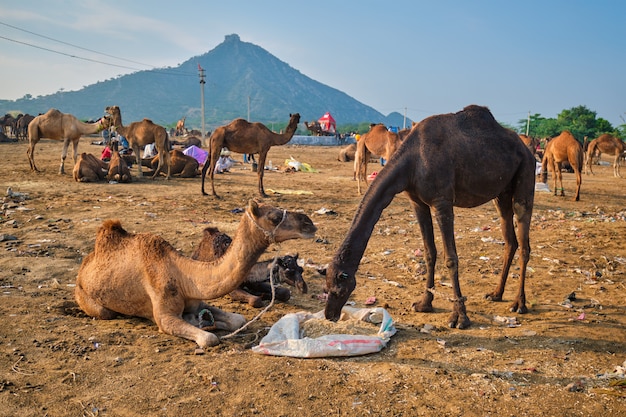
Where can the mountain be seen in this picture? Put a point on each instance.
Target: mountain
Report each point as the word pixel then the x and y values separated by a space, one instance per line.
pixel 238 74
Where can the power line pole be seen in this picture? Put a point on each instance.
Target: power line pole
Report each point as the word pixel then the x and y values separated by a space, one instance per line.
pixel 202 82
pixel 528 123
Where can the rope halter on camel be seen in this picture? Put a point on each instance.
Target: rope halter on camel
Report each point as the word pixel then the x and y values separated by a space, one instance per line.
pixel 269 235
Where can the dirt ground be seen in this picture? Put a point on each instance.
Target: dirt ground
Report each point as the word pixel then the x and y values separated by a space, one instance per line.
pixel 561 359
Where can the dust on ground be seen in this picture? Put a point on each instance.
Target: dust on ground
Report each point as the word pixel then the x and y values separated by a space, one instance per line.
pixel 559 359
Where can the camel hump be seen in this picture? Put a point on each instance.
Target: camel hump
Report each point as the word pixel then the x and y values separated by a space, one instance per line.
pixel 474 116
pixel 112 226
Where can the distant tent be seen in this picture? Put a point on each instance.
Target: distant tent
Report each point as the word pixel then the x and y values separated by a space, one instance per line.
pixel 327 123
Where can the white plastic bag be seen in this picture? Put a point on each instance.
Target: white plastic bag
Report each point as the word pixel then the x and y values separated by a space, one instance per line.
pixel 284 338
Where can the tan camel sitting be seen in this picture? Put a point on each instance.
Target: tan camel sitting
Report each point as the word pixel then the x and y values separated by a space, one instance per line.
pixel 140 134
pixel 244 137
pixel 118 168
pixel 60 126
pixel 143 275
pixel 463 159
pixel 380 141
pixel 607 144
pixel 182 165
pixel 89 168
pixel 563 148
pixel 256 286
pixel 347 153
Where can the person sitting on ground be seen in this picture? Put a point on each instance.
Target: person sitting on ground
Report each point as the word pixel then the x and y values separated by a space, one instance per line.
pixel 224 163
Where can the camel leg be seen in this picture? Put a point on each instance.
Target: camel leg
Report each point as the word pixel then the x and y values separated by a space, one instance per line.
pixel 91 307
pixel 425 221
pixel 66 144
pixel 246 297
pixel 579 180
pixel 30 152
pixel 261 171
pixel 445 219
pixel 264 290
pixel 138 159
pixel 504 205
pixel 173 324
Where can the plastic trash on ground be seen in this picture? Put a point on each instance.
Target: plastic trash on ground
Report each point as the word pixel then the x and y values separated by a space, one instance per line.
pixel 285 339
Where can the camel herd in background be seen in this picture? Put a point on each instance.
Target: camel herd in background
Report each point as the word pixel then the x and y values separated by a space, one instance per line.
pixel 424 161
pixel 241 136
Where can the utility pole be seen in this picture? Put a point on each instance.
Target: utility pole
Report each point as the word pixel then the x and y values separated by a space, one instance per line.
pixel 202 82
pixel 528 123
pixel 404 123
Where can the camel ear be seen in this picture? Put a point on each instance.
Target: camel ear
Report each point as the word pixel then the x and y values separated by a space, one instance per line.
pixel 253 206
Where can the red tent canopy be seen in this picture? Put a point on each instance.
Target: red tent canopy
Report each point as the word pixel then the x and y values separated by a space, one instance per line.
pixel 327 122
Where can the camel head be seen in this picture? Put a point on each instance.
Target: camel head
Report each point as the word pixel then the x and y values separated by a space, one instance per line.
pixel 279 225
pixel 115 113
pixel 106 121
pixel 294 118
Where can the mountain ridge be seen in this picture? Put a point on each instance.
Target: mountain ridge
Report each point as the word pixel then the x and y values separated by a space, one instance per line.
pixel 241 78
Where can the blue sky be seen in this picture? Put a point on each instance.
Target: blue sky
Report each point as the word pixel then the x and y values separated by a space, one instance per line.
pixel 413 56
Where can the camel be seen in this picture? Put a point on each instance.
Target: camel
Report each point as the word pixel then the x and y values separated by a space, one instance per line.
pixel 60 126
pixel 21 126
pixel 140 134
pixel 347 153
pixel 189 141
pixel 89 168
pixel 607 144
pixel 244 137
pixel 180 126
pixel 118 168
pixel 463 159
pixel 380 141
pixel 180 164
pixel 143 275
pixel 563 148
pixel 531 143
pixel 256 286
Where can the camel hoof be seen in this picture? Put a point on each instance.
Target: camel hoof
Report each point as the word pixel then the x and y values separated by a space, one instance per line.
pixel 493 297
pixel 256 302
pixel 422 307
pixel 208 340
pixel 519 309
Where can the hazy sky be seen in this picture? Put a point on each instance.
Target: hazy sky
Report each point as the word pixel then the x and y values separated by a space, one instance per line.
pixel 422 57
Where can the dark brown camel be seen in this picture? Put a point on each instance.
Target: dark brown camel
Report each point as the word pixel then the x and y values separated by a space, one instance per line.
pixel 451 160
pixel 563 148
pixel 256 286
pixel 244 137
pixel 140 134
pixel 379 141
pixel 607 144
pixel 60 126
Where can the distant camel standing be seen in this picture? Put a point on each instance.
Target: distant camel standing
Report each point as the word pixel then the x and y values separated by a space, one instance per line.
pixel 60 126
pixel 380 141
pixel 607 144
pixel 180 126
pixel 563 148
pixel 140 134
pixel 244 137
pixel 451 160
pixel 22 123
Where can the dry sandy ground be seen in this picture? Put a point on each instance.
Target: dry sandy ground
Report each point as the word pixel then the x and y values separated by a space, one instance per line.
pixel 560 360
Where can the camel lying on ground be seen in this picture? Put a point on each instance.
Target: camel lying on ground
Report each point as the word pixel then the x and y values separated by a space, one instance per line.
pixel 244 137
pixel 561 149
pixel 451 160
pixel 182 165
pixel 143 275
pixel 118 168
pixel 139 134
pixel 379 141
pixel 256 286
pixel 60 126
pixel 89 168
pixel 607 144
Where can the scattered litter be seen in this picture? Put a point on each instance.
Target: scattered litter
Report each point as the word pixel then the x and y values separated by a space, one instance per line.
pixel 285 339
pixel 394 283
pixel 372 176
pixel 427 328
pixel 370 301
pixel 324 210
pixel 291 192
pixel 542 187
pixel 237 210
pixel 581 317
pixel 484 258
pixel 507 321
pixel 151 215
